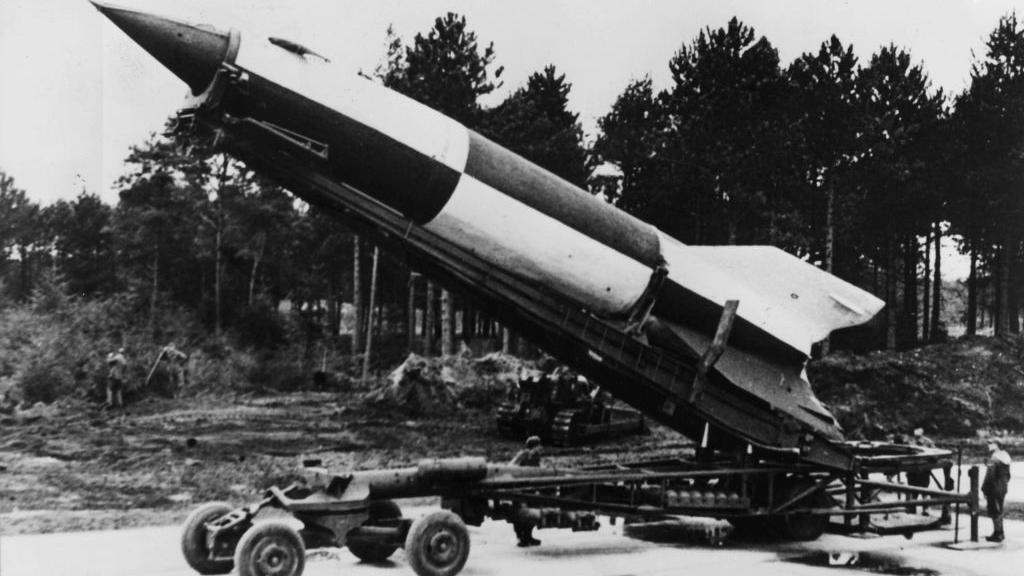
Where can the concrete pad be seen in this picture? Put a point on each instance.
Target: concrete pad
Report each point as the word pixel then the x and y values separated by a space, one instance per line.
pixel 971 546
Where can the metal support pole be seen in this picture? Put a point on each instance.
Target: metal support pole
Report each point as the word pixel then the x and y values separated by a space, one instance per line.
pixel 851 498
pixel 947 485
pixel 973 475
pixel 959 472
pixel 865 497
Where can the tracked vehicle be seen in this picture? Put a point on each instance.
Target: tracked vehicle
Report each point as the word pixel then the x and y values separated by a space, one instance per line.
pixel 564 411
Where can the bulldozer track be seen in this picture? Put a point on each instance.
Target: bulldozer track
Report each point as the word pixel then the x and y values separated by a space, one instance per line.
pixel 562 433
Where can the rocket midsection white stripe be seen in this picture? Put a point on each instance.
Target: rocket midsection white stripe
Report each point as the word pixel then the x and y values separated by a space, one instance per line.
pixel 516 237
pixel 421 128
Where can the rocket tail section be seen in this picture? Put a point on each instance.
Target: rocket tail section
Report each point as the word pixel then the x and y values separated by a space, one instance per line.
pixel 786 304
pixel 779 384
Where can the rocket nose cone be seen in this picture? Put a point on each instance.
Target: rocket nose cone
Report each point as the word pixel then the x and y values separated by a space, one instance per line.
pixel 193 53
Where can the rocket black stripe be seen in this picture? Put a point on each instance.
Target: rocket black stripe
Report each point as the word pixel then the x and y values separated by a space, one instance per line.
pixel 678 303
pixel 543 191
pixel 396 174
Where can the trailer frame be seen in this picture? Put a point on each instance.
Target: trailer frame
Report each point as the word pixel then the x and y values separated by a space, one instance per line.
pixel 798 502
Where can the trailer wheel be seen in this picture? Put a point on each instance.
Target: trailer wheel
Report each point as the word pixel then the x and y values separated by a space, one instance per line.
pixel 806 527
pixel 270 548
pixel 193 539
pixel 437 544
pixel 751 527
pixel 371 551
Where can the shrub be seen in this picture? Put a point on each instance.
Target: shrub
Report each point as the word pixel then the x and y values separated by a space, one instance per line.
pixel 275 372
pixel 43 383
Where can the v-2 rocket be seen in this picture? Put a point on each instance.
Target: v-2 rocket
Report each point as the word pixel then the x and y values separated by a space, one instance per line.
pixel 510 213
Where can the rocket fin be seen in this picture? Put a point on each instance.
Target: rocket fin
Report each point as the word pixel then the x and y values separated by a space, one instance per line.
pixel 779 383
pixel 793 301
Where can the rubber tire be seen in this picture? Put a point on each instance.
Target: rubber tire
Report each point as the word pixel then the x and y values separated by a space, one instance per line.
pixel 805 527
pixel 193 539
pixel 376 553
pixel 437 544
pixel 264 543
pixel 752 528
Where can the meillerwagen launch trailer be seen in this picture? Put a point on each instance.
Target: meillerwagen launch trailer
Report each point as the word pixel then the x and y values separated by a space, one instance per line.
pixel 710 341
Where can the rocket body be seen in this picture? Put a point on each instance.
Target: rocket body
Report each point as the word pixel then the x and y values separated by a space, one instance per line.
pixel 511 213
pixel 454 182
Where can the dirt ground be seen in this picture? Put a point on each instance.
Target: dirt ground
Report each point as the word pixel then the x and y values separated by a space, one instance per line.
pixel 80 467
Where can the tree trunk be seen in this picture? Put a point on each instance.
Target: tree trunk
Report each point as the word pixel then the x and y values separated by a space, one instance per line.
pixel 890 294
pixel 874 278
pixel 972 294
pixel 24 289
pixel 411 312
pixel 357 297
pixel 447 324
pixel 217 258
pixel 217 277
pixel 937 286
pixel 926 300
pixel 1015 292
pixel 1001 316
pixel 909 323
pixel 830 243
pixel 522 346
pixel 431 319
pixel 1012 302
pixel 256 265
pixel 155 288
pixel 1007 279
pixel 371 321
pixel 423 317
pixel 333 314
pixel 468 320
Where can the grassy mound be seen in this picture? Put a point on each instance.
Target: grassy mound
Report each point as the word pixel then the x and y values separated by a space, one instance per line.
pixel 956 388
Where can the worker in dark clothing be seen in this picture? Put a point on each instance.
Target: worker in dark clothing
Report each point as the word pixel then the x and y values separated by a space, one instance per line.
pixel 997 480
pixel 529 456
pixel 919 478
pixel 117 367
pixel 919 439
pixel 176 364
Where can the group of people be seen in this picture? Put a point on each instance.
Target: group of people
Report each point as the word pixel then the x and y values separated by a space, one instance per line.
pixel 993 487
pixel 174 360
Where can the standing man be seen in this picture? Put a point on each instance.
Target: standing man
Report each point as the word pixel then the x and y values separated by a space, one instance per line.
pixel 176 360
pixel 997 480
pixel 117 367
pixel 919 478
pixel 529 456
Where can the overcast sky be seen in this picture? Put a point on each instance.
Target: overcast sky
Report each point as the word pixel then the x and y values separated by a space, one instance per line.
pixel 76 93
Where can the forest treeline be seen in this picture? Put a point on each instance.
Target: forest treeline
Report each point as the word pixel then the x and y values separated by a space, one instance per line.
pixel 853 162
